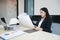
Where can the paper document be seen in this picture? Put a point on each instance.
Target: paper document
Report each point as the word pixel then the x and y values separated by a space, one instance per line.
pixel 25 20
pixel 11 34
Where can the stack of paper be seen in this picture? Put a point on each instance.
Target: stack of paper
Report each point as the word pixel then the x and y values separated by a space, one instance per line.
pixel 8 35
pixel 25 20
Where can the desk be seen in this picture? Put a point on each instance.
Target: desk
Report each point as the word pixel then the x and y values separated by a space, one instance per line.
pixel 39 35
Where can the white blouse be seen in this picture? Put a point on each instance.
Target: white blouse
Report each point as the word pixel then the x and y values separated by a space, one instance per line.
pixel 40 22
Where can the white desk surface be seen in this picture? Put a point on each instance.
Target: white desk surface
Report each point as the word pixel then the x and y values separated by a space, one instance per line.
pixel 39 35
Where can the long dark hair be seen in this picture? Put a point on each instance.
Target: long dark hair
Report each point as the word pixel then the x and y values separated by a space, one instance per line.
pixel 46 11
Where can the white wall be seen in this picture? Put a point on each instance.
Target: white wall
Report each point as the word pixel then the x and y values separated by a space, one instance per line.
pixel 7 10
pixel 3 9
pixel 21 6
pixel 11 10
pixel 52 5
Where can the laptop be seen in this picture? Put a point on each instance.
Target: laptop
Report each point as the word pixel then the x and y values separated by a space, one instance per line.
pixel 30 31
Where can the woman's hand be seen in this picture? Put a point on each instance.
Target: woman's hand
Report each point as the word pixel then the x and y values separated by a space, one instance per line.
pixel 37 28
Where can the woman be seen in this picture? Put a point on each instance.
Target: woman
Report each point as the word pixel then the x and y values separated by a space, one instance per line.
pixel 45 23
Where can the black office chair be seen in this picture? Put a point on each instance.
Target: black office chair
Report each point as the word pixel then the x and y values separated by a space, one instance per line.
pixel 6 27
pixel 4 21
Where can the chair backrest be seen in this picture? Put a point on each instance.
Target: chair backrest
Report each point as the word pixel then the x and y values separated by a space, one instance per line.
pixel 3 20
pixel 13 21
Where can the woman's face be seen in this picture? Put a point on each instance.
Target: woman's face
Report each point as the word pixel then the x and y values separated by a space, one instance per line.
pixel 42 13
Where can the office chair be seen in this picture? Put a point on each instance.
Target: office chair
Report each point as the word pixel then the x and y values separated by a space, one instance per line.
pixel 4 21
pixel 13 22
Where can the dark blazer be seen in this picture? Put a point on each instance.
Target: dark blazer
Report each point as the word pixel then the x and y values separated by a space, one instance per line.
pixel 46 24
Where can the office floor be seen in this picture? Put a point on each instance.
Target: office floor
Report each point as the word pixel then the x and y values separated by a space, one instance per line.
pixel 56 28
